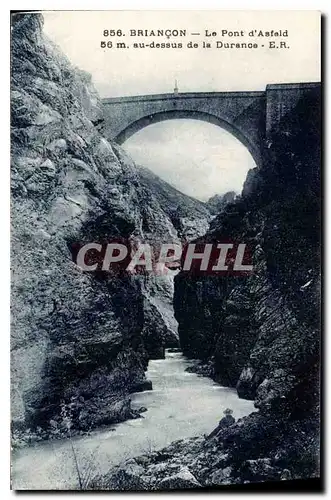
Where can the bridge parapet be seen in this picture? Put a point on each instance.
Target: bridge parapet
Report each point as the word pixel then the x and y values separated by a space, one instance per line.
pixel 181 95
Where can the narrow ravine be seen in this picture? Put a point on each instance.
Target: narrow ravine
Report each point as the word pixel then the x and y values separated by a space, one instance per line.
pixel 182 404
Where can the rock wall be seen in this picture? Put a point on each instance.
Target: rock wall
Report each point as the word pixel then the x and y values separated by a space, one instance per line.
pixel 217 202
pixel 70 342
pixel 261 332
pixel 79 340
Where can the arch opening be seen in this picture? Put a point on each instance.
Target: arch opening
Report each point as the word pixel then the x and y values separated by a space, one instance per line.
pixel 199 159
pixel 151 119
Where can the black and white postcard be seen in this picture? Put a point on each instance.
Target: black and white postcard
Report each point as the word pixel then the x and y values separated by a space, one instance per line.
pixel 165 249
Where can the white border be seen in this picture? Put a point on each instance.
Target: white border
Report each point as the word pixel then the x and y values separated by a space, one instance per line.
pixel 169 5
pixel 322 5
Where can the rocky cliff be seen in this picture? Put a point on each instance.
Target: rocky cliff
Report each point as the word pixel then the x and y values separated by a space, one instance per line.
pixel 189 216
pixel 259 332
pixel 217 202
pixel 80 341
pixel 262 331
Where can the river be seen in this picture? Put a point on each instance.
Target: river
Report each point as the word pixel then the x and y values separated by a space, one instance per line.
pixel 181 404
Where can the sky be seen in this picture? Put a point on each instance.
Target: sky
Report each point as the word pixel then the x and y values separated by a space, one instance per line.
pixel 144 71
pixel 198 158
pixel 218 163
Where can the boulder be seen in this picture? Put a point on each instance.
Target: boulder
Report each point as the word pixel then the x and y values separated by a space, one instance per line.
pixel 259 470
pixel 220 476
pixel 142 385
pixel 285 475
pixel 142 409
pixel 184 479
pixel 128 478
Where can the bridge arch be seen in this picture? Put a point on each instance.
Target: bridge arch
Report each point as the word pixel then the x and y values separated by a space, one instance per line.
pixel 249 116
pixel 157 117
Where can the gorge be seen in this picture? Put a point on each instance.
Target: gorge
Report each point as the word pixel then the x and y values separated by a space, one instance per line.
pixel 81 343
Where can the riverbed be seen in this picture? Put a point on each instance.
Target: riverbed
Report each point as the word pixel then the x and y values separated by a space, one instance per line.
pixel 181 404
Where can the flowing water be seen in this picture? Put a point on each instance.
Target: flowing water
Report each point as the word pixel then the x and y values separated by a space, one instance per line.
pixel 181 404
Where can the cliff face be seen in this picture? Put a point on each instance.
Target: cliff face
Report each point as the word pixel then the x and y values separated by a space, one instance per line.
pixel 261 332
pixel 189 216
pixel 78 340
pixel 64 176
pixel 258 332
pixel 218 202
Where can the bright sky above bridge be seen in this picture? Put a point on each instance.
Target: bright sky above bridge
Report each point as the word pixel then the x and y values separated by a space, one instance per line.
pixel 119 72
pixel 199 159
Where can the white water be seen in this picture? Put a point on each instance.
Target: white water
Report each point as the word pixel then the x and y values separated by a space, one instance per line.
pixel 180 405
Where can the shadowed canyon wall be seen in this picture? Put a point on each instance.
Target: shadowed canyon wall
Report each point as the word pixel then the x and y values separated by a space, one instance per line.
pixel 79 340
pixel 261 332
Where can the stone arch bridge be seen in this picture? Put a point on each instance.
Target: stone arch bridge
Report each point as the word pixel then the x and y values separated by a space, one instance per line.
pixel 249 116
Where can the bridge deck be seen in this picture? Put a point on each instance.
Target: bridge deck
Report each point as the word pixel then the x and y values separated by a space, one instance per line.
pixel 195 95
pixel 182 95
